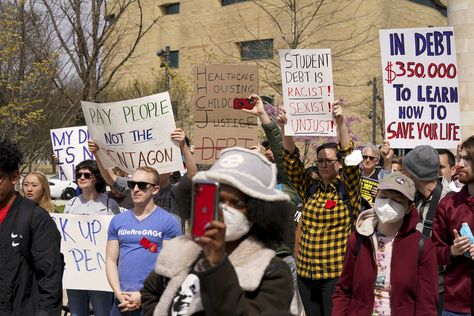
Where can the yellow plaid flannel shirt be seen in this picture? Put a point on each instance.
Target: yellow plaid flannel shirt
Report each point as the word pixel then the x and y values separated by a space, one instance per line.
pixel 324 231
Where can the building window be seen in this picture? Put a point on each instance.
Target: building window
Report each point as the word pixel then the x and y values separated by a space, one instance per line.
pixel 260 49
pixel 227 2
pixel 172 8
pixel 173 59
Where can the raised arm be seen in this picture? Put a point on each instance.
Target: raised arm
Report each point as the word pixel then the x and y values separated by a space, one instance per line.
pixel 109 176
pixel 273 135
pixel 342 131
pixel 179 136
pixel 288 142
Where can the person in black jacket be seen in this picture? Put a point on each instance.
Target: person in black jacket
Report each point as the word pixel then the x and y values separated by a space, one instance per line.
pixel 232 269
pixel 30 258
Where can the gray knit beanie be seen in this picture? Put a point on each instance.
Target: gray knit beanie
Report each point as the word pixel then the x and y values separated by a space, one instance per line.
pixel 422 162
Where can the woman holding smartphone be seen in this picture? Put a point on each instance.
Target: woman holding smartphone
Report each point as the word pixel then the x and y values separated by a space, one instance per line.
pixel 232 269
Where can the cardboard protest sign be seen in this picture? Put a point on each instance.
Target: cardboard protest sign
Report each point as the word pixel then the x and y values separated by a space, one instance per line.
pixel 83 242
pixel 70 148
pixel 217 124
pixel 135 133
pixel 308 91
pixel 368 189
pixel 421 93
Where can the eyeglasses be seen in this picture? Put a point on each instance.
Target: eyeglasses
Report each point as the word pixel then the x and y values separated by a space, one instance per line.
pixel 87 175
pixel 142 186
pixel 465 159
pixel 369 158
pixel 326 162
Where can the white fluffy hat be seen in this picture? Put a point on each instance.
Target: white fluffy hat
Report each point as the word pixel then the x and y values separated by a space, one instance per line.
pixel 247 171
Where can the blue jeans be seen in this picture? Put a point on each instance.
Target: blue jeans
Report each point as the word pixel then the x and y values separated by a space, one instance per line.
pixel 116 312
pixel 79 301
pixel 446 313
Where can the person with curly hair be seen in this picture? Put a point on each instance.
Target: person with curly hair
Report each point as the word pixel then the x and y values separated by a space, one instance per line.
pixel 36 188
pixel 30 258
pixel 90 201
pixel 233 268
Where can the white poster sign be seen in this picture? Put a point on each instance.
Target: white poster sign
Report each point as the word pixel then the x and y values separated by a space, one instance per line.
pixel 70 148
pixel 135 133
pixel 308 92
pixel 83 242
pixel 421 91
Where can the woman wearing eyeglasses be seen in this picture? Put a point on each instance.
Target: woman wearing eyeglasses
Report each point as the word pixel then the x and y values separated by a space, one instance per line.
pixel 90 201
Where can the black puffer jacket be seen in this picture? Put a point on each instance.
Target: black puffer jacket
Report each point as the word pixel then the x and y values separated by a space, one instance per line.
pixel 31 264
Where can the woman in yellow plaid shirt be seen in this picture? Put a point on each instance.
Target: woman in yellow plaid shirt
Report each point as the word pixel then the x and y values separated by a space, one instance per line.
pixel 327 219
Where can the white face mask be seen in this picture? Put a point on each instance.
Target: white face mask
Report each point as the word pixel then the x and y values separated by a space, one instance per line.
pixel 237 224
pixel 388 211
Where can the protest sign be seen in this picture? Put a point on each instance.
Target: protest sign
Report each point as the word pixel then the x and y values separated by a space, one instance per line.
pixel 135 133
pixel 420 82
pixel 308 91
pixel 368 188
pixel 70 148
pixel 217 124
pixel 83 242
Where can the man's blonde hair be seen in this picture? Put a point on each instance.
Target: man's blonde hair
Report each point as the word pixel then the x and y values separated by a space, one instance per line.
pixel 156 175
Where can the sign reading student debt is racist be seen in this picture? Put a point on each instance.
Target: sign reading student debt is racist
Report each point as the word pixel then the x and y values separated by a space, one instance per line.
pixel 70 148
pixel 135 133
pixel 421 92
pixel 308 91
pixel 217 124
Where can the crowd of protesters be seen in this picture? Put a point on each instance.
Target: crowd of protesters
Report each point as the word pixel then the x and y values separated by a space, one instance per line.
pixel 288 240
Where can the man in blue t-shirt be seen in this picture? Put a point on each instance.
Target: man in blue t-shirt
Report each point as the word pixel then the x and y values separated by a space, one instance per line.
pixel 135 238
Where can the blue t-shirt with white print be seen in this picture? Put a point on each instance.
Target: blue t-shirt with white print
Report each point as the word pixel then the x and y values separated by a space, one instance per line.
pixel 136 262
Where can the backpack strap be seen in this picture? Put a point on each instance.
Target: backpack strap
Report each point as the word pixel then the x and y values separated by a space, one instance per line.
pixel 435 197
pixel 341 190
pixel 421 243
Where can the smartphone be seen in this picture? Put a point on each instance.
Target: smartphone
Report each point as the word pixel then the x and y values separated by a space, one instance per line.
pixel 205 205
pixel 243 103
pixel 466 231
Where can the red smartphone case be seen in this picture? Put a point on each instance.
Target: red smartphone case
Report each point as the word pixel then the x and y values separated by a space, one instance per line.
pixel 243 103
pixel 205 204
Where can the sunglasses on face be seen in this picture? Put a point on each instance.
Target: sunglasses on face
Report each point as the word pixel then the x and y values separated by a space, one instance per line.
pixel 369 158
pixel 142 186
pixel 87 175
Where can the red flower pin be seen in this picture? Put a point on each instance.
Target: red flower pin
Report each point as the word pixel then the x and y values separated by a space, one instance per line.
pixel 330 204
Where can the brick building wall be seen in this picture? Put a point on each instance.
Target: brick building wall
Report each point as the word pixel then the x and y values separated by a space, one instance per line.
pixel 205 31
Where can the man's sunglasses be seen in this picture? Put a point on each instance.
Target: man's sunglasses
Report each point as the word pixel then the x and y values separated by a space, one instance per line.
pixel 141 185
pixel 87 175
pixel 369 157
